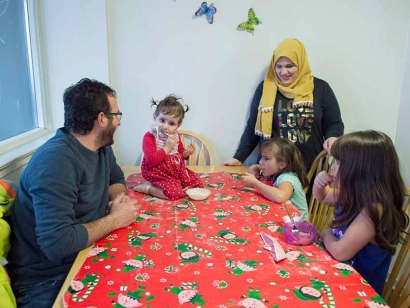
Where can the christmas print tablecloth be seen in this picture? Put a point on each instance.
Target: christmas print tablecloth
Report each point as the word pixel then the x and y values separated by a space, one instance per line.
pixel 209 253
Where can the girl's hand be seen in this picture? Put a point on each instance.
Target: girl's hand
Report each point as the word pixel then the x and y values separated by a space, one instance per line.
pixel 254 170
pixel 322 180
pixel 172 140
pixel 189 150
pixel 231 162
pixel 322 191
pixel 249 179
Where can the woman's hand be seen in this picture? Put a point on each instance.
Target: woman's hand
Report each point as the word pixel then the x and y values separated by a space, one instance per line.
pixel 327 145
pixel 189 150
pixel 231 162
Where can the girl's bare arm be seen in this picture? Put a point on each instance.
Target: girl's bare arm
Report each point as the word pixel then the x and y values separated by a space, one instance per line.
pixel 279 194
pixel 360 232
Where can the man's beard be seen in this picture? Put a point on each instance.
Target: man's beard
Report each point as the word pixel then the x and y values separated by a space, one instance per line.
pixel 107 136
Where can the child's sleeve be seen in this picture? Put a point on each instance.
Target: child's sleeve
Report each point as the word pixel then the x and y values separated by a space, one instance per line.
pixel 7 196
pixel 7 298
pixel 286 178
pixel 151 155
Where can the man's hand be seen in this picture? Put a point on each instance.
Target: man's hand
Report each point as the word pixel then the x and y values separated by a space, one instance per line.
pixel 124 210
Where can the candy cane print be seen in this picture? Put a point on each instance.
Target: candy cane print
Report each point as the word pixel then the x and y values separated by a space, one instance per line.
pixel 89 290
pixel 269 223
pixel 265 212
pixel 131 236
pixel 189 285
pixel 332 303
pixel 216 239
pixel 193 206
pixel 206 252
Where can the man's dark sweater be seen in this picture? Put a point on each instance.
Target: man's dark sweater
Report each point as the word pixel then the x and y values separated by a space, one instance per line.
pixel 64 186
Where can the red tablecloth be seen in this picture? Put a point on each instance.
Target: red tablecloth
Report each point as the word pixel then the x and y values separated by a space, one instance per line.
pixel 210 254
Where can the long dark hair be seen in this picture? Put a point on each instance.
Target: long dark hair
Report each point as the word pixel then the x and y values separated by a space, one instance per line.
pixel 285 151
pixel 170 105
pixel 369 178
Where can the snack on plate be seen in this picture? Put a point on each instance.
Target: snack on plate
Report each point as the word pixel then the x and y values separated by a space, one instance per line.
pixel 198 193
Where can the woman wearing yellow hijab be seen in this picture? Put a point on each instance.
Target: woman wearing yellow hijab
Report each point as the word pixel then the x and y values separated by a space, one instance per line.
pixel 290 103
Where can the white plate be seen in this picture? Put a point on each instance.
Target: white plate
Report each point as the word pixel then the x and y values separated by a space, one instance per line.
pixel 198 193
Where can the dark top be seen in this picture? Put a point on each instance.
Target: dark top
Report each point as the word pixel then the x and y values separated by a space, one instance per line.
pixel 307 128
pixel 63 186
pixel 372 261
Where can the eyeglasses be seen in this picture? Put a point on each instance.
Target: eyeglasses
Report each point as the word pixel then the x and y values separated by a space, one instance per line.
pixel 118 114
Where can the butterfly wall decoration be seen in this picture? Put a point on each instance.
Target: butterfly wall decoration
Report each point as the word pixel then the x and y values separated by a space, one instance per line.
pixel 208 10
pixel 252 20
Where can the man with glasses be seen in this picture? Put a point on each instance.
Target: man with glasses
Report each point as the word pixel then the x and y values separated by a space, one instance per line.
pixel 72 193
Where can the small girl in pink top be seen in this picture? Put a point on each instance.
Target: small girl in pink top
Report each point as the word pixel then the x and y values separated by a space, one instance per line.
pixel 163 165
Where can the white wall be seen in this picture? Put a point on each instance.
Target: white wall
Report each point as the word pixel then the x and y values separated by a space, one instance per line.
pixel 156 47
pixel 74 40
pixel 402 141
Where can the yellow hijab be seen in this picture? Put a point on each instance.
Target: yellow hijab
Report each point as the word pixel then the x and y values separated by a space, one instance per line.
pixel 301 89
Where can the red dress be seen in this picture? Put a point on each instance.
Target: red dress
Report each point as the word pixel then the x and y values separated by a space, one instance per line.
pixel 168 172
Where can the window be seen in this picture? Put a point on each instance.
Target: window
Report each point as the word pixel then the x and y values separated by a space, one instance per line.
pixel 21 107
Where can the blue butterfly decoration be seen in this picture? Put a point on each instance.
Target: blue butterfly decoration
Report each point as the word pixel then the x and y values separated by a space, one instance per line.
pixel 208 10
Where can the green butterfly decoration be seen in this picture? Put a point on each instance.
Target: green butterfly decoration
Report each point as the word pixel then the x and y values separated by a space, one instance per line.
pixel 252 20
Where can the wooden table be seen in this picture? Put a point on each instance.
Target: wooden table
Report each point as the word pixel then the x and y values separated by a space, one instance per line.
pixel 187 253
pixel 82 255
pixel 204 169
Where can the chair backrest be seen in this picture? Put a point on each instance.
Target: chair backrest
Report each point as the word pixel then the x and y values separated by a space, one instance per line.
pixel 397 289
pixel 203 155
pixel 320 163
pixel 319 213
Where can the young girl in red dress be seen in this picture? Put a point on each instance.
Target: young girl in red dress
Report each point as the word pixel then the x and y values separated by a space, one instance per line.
pixel 163 165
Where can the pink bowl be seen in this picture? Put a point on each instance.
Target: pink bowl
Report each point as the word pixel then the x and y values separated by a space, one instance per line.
pixel 305 236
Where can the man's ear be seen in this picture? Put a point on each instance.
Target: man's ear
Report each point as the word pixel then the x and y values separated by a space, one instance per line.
pixel 101 119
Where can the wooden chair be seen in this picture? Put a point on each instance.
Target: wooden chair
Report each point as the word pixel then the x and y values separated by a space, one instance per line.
pixel 320 163
pixel 203 155
pixel 397 289
pixel 319 213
